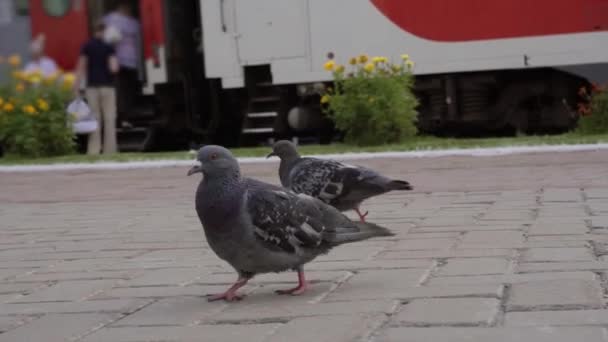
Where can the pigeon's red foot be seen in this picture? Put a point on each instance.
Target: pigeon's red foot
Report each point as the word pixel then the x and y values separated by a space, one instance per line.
pixel 295 291
pixel 361 216
pixel 230 295
pixel 301 288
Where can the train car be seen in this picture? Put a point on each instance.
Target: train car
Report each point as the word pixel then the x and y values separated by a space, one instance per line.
pixel 244 71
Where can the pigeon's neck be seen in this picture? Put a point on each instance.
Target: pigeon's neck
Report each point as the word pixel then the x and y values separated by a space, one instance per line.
pixel 219 200
pixel 285 167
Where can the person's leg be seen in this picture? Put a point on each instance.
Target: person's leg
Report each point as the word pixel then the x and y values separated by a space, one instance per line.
pixel 109 120
pixel 94 140
pixel 127 91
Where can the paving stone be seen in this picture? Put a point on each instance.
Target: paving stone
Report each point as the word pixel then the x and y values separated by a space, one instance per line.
pixel 56 327
pixel 449 311
pixel 68 291
pixel 164 277
pixel 160 291
pixel 377 284
pixel 596 193
pixel 511 278
pixel 510 334
pixel 328 329
pixel 443 254
pixel 350 253
pixel 474 266
pixel 91 306
pixel 561 195
pixel 375 264
pixel 414 292
pixel 211 333
pixel 11 322
pixel 435 221
pixel 507 215
pixel 261 308
pixel 423 244
pixel 562 266
pixel 557 254
pixel 550 294
pixel 558 228
pixel 493 239
pixel 599 222
pixel 556 318
pixel 182 311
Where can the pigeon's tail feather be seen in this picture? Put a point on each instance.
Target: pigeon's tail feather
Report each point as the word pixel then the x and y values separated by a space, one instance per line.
pixel 399 185
pixel 366 230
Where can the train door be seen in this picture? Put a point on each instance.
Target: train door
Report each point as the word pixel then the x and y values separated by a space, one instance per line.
pixel 65 26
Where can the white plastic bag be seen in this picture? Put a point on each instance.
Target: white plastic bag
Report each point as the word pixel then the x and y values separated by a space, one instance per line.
pixel 85 120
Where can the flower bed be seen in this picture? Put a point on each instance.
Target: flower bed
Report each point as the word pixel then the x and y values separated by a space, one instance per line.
pixel 593 111
pixel 33 118
pixel 371 100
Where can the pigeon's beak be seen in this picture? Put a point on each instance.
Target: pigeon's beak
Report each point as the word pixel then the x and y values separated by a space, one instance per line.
pixel 271 154
pixel 195 169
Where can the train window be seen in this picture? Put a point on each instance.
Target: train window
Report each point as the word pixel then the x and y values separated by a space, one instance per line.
pixel 56 8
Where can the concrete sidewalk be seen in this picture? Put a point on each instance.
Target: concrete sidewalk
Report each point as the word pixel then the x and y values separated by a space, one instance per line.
pixel 510 248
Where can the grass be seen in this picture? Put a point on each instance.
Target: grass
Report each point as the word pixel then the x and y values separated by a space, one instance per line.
pixel 419 143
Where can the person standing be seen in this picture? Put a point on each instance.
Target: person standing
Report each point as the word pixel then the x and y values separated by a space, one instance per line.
pixel 98 64
pixel 40 62
pixel 128 54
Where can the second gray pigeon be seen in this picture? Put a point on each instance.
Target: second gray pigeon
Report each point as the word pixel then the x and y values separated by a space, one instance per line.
pixel 341 185
pixel 260 228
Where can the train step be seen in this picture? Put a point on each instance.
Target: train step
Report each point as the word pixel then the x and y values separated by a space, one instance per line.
pixel 133 139
pixel 258 130
pixel 262 115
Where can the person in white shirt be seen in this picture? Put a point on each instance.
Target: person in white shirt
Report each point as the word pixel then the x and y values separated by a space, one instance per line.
pixel 40 62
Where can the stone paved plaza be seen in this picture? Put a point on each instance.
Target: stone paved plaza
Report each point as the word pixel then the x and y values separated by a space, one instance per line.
pixel 508 248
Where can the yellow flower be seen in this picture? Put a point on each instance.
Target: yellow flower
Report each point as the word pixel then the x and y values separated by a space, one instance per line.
pixel 14 61
pixel 69 79
pixel 51 79
pixel 377 60
pixel 8 107
pixel 325 98
pixel 409 63
pixel 352 61
pixel 363 59
pixel 340 69
pixel 19 75
pixel 405 56
pixel 369 67
pixel 43 105
pixel 329 65
pixel 29 109
pixel 34 79
pixel 1 102
pixel 396 68
pixel 20 87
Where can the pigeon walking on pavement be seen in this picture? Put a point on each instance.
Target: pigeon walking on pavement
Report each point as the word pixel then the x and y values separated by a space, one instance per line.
pixel 341 185
pixel 261 228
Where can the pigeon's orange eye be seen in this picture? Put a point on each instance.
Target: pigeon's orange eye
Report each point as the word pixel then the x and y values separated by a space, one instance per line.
pixel 213 156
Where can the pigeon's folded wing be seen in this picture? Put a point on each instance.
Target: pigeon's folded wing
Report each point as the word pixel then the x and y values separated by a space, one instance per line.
pixel 324 179
pixel 283 220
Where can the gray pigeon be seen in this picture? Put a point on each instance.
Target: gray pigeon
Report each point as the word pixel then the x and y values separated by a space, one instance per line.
pixel 260 228
pixel 341 185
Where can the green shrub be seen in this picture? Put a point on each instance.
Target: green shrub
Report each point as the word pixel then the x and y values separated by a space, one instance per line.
pixel 593 113
pixel 33 118
pixel 372 101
